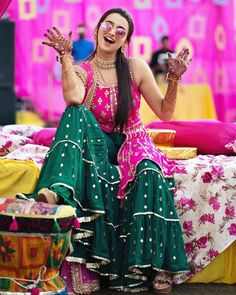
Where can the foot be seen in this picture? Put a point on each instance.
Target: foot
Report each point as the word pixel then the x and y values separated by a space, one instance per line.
pixel 162 283
pixel 47 196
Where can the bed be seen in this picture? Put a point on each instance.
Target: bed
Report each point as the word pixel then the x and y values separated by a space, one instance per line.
pixel 205 198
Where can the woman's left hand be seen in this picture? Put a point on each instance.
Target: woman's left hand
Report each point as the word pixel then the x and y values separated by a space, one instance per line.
pixel 177 66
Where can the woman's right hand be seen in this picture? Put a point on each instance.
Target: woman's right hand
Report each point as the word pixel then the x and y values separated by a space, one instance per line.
pixel 58 41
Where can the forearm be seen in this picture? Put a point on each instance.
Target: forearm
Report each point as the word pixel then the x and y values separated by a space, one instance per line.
pixel 169 101
pixel 73 91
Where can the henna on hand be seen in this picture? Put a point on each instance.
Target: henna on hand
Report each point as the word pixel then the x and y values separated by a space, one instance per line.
pixel 178 66
pixel 169 101
pixel 59 42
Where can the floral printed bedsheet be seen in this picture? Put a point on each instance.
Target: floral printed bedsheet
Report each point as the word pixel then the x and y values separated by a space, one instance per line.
pixel 205 199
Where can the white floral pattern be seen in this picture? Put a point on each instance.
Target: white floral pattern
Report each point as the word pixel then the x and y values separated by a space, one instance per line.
pixel 205 199
pixel 32 152
pixel 231 146
pixel 10 142
pixel 20 129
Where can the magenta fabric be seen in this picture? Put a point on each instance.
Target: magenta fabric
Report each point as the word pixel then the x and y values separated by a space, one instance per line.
pixel 78 279
pixel 188 23
pixel 3 6
pixel 137 145
pixel 44 136
pixel 209 136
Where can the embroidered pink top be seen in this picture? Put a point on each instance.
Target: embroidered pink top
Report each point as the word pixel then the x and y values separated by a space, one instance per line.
pixel 137 145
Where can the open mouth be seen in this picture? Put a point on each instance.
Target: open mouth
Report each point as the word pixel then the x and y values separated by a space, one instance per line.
pixel 109 40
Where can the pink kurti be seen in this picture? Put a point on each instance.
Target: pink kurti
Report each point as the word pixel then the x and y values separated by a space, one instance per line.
pixel 137 145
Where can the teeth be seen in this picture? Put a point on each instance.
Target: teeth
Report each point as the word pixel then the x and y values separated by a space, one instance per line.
pixel 109 39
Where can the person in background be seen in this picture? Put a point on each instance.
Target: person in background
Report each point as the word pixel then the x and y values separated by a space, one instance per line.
pixel 82 48
pixel 159 60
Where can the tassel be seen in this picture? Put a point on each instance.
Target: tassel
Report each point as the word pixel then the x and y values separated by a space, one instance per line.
pixel 14 225
pixel 56 227
pixel 35 291
pixel 76 223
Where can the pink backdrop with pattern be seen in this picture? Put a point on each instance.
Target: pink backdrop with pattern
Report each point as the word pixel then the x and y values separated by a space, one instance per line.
pixel 208 28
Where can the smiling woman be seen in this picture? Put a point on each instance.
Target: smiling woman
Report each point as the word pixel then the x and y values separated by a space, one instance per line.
pixel 103 163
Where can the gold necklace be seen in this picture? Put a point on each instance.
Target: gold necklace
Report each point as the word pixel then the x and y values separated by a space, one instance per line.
pixel 96 67
pixel 104 64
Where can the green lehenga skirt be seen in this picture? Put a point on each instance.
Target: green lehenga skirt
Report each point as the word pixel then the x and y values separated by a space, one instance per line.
pixel 125 241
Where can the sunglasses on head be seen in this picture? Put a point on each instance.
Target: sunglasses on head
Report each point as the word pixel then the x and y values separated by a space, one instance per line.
pixel 106 27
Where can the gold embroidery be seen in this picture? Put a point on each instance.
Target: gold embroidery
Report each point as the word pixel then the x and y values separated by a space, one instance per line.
pixel 92 90
pixel 79 286
pixel 81 73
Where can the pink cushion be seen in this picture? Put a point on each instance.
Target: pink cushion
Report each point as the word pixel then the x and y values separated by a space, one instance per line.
pixel 208 136
pixel 44 136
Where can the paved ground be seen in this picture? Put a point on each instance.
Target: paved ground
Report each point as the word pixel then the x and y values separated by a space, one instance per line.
pixel 186 289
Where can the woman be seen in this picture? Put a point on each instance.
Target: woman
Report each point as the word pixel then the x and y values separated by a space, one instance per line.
pixel 103 163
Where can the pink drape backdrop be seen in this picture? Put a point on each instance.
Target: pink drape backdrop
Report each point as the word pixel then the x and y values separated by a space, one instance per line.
pixel 3 6
pixel 207 27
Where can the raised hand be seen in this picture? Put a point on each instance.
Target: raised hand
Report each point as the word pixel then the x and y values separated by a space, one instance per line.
pixel 58 41
pixel 178 65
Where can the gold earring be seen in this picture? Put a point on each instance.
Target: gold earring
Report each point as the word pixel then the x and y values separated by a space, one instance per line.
pixel 95 37
pixel 123 47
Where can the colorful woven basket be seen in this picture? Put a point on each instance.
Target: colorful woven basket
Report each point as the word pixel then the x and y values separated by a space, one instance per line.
pixel 34 239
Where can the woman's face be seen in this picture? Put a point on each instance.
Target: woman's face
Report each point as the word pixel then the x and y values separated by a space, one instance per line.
pixel 112 33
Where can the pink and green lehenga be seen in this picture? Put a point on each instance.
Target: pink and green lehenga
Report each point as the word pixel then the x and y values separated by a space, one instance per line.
pixel 92 166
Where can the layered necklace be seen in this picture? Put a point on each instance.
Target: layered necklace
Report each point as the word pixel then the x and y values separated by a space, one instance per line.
pixel 101 64
pixel 104 64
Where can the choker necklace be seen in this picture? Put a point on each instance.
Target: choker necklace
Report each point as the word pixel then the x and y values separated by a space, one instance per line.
pixel 104 64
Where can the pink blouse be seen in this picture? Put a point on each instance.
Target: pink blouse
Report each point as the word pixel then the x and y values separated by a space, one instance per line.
pixel 137 145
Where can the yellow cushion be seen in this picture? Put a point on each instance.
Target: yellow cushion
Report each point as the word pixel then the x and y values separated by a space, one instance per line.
pixel 221 270
pixel 162 137
pixel 17 176
pixel 179 152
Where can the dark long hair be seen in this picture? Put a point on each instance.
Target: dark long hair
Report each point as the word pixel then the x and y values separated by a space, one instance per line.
pixel 125 100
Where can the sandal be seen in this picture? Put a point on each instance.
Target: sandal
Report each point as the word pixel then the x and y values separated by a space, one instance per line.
pixel 46 195
pixel 162 284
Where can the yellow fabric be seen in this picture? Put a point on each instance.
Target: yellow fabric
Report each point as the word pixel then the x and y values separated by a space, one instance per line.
pixel 162 137
pixel 179 152
pixel 17 176
pixel 29 118
pixel 194 102
pixel 221 270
